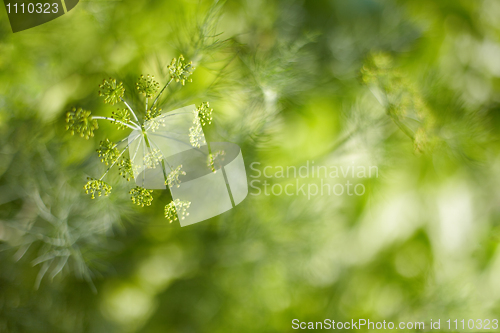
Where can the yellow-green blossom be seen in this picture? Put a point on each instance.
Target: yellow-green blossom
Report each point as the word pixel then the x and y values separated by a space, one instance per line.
pixel 96 186
pixel 147 86
pixel 108 152
pixel 141 196
pixel 176 209
pixel 111 91
pixel 81 122
pixel 180 70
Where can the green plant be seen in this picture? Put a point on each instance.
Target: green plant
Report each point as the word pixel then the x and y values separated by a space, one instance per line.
pixel 402 99
pixel 84 123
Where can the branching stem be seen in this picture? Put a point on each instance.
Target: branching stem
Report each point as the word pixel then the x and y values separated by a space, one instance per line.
pixel 124 149
pixel 130 109
pixel 136 127
pixel 161 92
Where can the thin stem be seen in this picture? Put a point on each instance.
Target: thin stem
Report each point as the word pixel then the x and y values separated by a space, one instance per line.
pixel 136 127
pixel 135 124
pixel 132 158
pixel 157 97
pixel 130 109
pixel 136 151
pixel 124 139
pixel 403 127
pixel 147 99
pixel 124 149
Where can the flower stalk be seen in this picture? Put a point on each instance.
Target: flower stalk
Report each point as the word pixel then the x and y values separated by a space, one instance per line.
pixel 84 123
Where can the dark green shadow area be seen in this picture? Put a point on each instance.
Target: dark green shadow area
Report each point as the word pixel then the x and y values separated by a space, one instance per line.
pixel 70 4
pixel 25 14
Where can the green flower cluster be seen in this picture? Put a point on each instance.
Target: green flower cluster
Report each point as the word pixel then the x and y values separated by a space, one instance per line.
pixel 152 118
pixel 155 123
pixel 205 113
pixel 122 115
pixel 125 168
pixel 176 209
pixel 180 70
pixel 111 91
pixel 376 68
pixel 173 177
pixel 403 101
pixel 196 137
pixel 141 196
pixel 153 158
pixel 108 152
pixel 81 122
pixel 147 86
pixel 152 113
pixel 215 157
pixel 94 186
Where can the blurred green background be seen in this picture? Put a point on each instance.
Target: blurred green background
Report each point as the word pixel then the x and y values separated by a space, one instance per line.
pixel 411 87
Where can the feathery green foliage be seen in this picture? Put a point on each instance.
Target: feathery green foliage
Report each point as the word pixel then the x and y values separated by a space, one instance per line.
pixel 402 100
pixel 420 244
